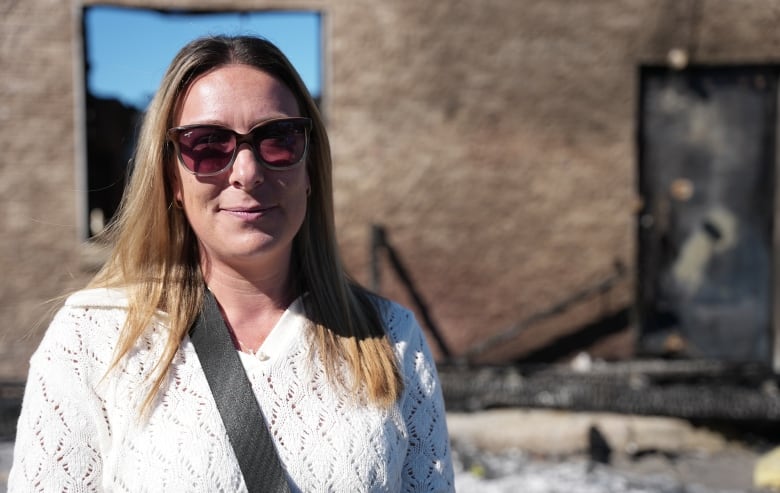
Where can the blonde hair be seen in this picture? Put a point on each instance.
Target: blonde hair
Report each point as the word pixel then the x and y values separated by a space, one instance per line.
pixel 155 251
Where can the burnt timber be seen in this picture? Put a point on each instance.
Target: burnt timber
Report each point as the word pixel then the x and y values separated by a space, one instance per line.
pixel 693 390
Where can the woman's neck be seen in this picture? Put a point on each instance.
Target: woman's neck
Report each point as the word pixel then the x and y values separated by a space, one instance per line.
pixel 251 306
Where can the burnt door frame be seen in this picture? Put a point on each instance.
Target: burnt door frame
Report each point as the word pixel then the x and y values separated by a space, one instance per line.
pixel 650 256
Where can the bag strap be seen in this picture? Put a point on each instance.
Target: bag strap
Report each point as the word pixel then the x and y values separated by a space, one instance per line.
pixel 238 407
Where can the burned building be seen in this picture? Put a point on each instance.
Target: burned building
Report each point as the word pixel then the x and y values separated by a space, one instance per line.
pixel 544 168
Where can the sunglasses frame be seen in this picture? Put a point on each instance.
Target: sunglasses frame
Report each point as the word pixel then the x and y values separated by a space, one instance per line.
pixel 247 138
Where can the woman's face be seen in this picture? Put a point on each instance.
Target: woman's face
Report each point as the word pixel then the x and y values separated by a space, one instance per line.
pixel 246 216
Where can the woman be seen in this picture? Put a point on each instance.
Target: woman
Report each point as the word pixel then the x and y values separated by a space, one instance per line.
pixel 231 192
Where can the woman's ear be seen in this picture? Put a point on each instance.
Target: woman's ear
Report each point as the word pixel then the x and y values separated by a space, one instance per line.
pixel 175 181
pixel 177 195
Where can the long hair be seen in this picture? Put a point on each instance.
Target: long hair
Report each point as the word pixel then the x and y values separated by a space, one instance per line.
pixel 155 253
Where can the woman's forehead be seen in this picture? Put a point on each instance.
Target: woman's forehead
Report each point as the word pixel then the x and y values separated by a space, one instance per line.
pixel 235 94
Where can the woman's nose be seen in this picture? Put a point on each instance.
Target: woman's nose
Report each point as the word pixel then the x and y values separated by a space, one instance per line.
pixel 246 171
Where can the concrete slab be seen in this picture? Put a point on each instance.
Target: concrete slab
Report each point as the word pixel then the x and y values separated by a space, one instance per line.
pixel 555 433
pixel 645 446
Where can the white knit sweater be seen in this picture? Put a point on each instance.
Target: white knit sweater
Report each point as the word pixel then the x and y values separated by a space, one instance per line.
pixel 79 431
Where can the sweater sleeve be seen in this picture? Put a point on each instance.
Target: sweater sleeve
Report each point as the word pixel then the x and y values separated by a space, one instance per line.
pixel 56 445
pixel 428 464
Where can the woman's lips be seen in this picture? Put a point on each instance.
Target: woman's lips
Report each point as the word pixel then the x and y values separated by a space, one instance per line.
pixel 252 212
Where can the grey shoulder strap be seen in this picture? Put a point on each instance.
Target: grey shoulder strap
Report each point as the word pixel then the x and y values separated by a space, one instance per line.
pixel 232 391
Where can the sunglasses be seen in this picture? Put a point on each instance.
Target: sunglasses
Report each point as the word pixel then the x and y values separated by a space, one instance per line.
pixel 207 150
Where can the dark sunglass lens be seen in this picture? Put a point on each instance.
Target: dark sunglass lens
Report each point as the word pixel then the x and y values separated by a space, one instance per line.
pixel 282 144
pixel 206 150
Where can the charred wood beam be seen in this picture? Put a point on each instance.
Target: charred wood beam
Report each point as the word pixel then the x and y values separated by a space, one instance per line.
pixel 688 390
pixel 580 339
pixel 556 309
pixel 380 242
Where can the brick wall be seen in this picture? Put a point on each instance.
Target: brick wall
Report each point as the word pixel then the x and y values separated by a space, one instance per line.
pixel 37 174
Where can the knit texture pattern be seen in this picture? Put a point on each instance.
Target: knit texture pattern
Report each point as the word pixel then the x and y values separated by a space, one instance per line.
pixel 80 429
